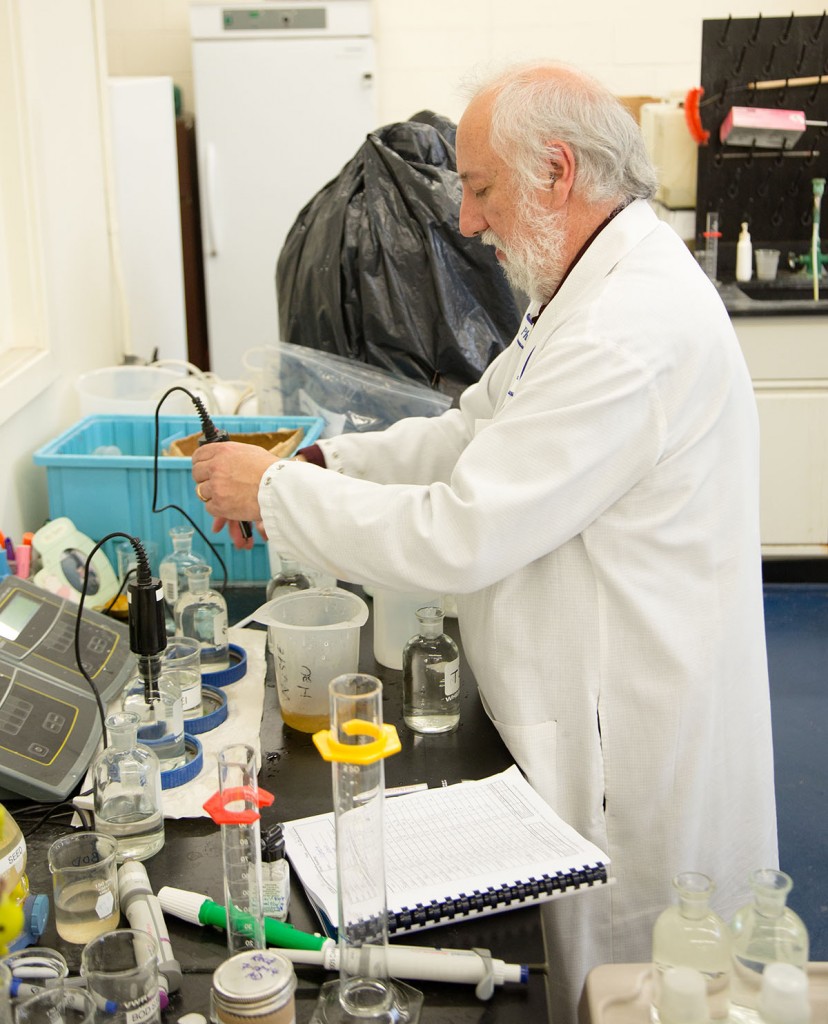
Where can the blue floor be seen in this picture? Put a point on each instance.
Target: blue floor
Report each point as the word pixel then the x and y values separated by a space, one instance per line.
pixel 797 636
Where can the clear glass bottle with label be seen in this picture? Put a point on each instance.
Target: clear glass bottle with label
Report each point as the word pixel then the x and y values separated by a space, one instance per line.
pixel 275 874
pixel 690 934
pixel 431 676
pixel 172 569
pixel 201 613
pixel 765 931
pixel 126 778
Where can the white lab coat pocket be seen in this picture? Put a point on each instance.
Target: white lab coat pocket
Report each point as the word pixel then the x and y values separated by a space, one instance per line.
pixel 534 748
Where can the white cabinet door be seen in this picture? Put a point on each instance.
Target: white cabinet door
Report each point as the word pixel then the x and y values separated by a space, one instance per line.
pixel 788 362
pixel 793 422
pixel 275 120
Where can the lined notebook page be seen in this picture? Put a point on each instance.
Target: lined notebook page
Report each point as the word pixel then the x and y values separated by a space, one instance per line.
pixel 443 844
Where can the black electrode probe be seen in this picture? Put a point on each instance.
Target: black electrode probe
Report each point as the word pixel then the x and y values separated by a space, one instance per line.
pixel 147 628
pixel 210 436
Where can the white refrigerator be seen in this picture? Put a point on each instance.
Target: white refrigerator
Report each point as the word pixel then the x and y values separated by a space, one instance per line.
pixel 284 96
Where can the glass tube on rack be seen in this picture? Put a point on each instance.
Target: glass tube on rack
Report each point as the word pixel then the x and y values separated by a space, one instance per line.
pixel 357 744
pixel 241 847
pixel 712 234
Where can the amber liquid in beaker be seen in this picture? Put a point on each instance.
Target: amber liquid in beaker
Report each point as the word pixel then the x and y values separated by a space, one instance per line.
pixel 306 723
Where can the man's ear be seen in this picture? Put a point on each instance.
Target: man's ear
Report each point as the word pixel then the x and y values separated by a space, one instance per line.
pixel 561 163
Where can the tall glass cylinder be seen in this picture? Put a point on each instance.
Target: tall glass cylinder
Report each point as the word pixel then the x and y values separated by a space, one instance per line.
pixel 357 743
pixel 358 793
pixel 241 847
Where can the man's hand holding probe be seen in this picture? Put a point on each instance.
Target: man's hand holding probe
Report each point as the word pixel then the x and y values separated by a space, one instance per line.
pixel 227 478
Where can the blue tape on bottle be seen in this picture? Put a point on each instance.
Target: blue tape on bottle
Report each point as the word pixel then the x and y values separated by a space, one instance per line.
pixel 214 706
pixel 193 763
pixel 236 670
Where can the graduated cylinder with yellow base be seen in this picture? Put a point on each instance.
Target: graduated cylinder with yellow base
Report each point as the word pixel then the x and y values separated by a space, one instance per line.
pixel 357 744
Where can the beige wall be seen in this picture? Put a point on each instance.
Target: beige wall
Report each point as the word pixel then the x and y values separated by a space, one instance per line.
pixel 426 47
pixel 58 52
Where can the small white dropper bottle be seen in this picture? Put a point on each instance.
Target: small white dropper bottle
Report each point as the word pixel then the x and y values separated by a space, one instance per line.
pixel 744 255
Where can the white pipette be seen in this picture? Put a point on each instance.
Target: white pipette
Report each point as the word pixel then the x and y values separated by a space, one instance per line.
pixel 427 963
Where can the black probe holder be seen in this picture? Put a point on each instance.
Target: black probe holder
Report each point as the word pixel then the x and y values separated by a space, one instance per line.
pixel 770 189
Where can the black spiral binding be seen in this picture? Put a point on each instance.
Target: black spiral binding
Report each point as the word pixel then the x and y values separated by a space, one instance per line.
pixel 495 898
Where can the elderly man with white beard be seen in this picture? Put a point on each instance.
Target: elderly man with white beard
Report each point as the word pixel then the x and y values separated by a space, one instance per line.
pixel 593 505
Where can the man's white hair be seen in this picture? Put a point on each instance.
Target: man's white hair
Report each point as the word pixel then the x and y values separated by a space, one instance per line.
pixel 539 102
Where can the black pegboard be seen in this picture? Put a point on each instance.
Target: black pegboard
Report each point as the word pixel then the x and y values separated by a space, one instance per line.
pixel 770 189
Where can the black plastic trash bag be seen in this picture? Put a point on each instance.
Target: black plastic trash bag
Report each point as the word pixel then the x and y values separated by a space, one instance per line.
pixel 375 267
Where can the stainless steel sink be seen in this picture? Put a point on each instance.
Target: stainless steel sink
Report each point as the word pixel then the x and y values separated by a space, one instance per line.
pixel 785 288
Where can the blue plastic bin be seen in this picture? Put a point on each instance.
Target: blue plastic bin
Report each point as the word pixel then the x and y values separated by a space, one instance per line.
pixel 102 493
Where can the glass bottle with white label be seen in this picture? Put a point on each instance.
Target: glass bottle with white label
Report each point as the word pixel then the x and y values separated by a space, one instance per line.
pixel 275 874
pixel 172 569
pixel 431 676
pixel 201 613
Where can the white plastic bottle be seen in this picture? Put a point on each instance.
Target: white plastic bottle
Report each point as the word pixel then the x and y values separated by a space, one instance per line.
pixel 744 255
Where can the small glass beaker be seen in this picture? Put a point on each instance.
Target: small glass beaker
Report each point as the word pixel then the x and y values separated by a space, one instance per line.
pixel 37 965
pixel 58 1006
pixel 85 885
pixel 181 662
pixel 121 971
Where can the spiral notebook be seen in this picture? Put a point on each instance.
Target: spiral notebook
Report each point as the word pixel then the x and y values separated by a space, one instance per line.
pixel 460 851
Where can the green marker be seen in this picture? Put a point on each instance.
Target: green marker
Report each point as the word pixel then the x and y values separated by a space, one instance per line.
pixel 198 909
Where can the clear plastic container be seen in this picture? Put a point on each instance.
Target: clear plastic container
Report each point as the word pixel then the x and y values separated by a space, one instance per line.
pixel 126 777
pixel 690 934
pixel 313 636
pixel 431 676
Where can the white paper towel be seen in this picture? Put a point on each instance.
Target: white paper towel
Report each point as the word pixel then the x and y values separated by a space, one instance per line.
pixel 245 704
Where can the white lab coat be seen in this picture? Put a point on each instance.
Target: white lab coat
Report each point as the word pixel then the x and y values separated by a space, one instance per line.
pixel 593 504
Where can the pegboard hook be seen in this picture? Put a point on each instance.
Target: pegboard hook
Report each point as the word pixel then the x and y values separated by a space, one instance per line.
pixel 725 31
pixel 786 32
pixel 818 30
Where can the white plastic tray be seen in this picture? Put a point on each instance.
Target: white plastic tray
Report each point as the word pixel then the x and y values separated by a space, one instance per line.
pixel 620 994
